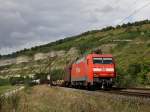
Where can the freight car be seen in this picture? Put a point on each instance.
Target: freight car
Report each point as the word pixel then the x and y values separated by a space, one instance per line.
pixel 92 70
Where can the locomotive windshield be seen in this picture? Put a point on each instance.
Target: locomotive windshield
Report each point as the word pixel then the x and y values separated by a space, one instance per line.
pixel 107 61
pixel 102 61
pixel 97 60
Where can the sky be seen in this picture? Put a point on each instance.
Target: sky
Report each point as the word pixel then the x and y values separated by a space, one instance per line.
pixel 28 23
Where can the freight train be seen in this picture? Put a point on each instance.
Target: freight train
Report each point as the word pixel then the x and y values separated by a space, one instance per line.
pixel 92 70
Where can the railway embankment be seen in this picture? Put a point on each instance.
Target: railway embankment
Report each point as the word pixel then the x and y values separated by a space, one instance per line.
pixel 57 99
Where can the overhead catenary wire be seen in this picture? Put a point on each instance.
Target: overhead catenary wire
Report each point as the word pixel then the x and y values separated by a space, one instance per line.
pixel 116 5
pixel 135 12
pixel 118 1
pixel 135 2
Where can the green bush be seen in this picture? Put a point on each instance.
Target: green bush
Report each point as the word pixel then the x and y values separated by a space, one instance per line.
pixel 57 74
pixel 122 79
pixel 136 74
pixel 28 81
pixel 4 82
pixel 134 69
pixel 16 80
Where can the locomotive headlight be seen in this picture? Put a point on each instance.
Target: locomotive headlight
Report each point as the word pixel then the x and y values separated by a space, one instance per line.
pixel 97 69
pixel 110 69
pixel 103 69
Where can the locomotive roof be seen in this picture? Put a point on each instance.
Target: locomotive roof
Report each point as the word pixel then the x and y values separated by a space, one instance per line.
pixel 100 55
pixel 94 55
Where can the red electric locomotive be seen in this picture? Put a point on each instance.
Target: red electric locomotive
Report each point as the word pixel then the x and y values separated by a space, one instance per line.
pixel 92 70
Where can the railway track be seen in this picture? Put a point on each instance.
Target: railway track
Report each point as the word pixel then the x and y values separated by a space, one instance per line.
pixel 137 92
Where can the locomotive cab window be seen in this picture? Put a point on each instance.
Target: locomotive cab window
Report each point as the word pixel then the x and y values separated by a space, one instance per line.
pixel 97 61
pixel 107 61
pixel 102 60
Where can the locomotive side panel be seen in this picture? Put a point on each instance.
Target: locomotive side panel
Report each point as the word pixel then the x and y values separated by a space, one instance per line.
pixel 78 72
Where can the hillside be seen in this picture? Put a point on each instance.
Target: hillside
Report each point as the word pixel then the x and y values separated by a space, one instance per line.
pixel 129 44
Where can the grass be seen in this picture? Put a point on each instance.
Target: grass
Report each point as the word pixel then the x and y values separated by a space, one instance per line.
pixel 9 103
pixel 46 99
pixel 6 88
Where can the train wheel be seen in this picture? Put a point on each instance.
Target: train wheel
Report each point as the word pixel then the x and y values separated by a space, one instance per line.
pixel 91 87
pixel 103 86
pixel 106 87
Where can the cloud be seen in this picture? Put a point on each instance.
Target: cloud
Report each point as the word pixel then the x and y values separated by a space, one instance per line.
pixel 26 23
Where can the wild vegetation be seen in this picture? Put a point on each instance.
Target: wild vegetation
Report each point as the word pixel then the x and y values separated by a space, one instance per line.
pixel 9 103
pixel 46 99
